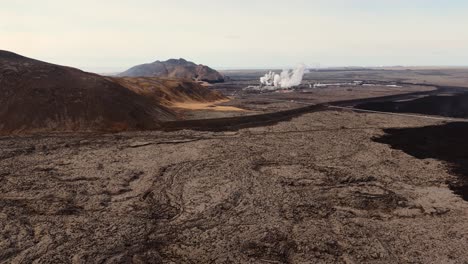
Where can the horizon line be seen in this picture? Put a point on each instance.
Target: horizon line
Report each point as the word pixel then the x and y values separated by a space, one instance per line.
pixel 109 70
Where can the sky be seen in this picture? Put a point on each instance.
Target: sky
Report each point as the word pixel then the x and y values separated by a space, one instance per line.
pixel 106 36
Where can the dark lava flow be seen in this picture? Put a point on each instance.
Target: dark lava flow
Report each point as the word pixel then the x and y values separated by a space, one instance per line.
pixel 446 142
pixel 448 102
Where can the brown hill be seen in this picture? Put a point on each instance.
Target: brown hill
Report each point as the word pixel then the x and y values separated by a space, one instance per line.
pixel 167 91
pixel 40 97
pixel 174 68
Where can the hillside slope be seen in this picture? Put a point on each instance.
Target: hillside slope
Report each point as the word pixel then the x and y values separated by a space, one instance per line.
pixel 167 91
pixel 37 96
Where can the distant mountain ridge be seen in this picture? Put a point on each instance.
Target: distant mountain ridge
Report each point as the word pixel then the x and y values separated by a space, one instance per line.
pixel 175 68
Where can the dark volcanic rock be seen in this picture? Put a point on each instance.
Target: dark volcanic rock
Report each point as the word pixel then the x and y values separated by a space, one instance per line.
pixel 174 68
pixel 449 106
pixel 445 142
pixel 37 96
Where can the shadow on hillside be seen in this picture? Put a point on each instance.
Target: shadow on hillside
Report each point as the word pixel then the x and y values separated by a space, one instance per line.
pixel 448 142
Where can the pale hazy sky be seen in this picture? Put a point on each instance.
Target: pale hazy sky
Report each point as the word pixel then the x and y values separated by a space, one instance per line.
pixel 103 35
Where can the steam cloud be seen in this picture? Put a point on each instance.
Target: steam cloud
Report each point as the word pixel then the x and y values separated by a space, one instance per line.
pixel 287 78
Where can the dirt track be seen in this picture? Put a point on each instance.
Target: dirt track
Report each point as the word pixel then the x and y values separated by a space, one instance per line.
pixel 319 188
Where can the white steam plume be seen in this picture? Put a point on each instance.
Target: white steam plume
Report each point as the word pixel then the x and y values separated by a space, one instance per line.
pixel 287 78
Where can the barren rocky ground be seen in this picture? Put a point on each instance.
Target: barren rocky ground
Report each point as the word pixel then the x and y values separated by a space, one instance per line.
pixel 321 188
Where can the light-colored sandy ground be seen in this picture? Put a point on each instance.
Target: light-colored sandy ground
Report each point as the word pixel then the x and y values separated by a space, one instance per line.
pixel 317 189
pixel 213 106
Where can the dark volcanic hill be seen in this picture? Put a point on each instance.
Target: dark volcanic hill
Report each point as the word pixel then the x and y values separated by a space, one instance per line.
pixel 37 96
pixel 173 68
